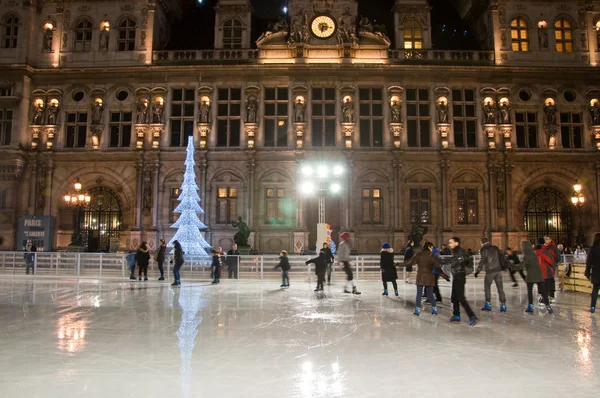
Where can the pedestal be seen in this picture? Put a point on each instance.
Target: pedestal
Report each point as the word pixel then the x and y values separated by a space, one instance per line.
pixel 596 136
pixel 490 132
pixel 251 130
pixel 397 129
pixel 203 131
pixel 348 133
pixel 300 242
pixel 299 129
pixel 506 131
pixel 443 130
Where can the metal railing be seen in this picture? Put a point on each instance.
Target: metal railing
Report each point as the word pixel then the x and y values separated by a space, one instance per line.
pixel 258 267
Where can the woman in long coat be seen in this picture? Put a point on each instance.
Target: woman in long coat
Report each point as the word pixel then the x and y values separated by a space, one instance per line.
pixel 592 270
pixel 533 265
pixel 388 269
pixel 426 262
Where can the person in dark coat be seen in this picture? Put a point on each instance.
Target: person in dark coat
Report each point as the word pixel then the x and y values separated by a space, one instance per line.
pixel 491 261
pixel 426 263
pixel 461 266
pixel 388 268
pixel 409 252
pixel 216 266
pixel 284 264
pixel 160 258
pixel 177 262
pixel 553 253
pixel 532 264
pixel 513 259
pixel 142 258
pixel 330 259
pixel 131 264
pixel 592 270
pixel 320 263
pixel 29 257
pixel 233 256
pixel 546 258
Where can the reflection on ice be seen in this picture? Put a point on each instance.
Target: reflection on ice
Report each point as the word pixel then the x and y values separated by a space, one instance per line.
pixel 189 302
pixel 71 332
pixel 321 381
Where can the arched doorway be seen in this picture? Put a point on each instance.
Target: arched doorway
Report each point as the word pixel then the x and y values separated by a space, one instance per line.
pixel 547 212
pixel 102 219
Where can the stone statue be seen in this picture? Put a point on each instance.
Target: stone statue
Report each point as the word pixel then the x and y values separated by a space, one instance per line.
pixel 543 38
pixel 417 233
pixel 442 109
pixel 490 113
pixel 550 114
pixel 53 113
pixel 157 112
pixel 251 110
pixel 366 25
pixel 299 31
pixel 347 29
pixel 280 25
pixel 38 114
pixel 47 41
pixel 97 111
pixel 396 112
pixel 505 113
pixel 299 111
pixel 348 111
pixel 204 112
pixel 595 114
pixel 142 112
pixel 243 233
pixel 104 35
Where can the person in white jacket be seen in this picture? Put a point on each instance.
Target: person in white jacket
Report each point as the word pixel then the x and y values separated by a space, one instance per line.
pixel 343 257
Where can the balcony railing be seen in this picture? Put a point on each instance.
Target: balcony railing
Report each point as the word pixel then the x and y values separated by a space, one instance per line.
pixel 205 56
pixel 442 56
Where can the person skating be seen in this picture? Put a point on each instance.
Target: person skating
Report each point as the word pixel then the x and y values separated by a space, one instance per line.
pixel 178 261
pixel 233 256
pixel 388 269
pixel 160 258
pixel 216 266
pixel 546 264
pixel 29 257
pixel 534 265
pixel 142 258
pixel 554 253
pixel 329 259
pixel 284 264
pixel 343 255
pixel 491 261
pixel 592 270
pixel 513 259
pixel 461 266
pixel 435 252
pixel 409 253
pixel 320 263
pixel 426 263
pixel 131 264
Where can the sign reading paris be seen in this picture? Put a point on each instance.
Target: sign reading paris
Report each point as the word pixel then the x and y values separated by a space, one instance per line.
pixel 38 229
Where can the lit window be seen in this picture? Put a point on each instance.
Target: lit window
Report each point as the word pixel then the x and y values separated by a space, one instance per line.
pixel 413 35
pixel 563 34
pixel 466 199
pixel 519 35
pixel 372 206
pixel 226 205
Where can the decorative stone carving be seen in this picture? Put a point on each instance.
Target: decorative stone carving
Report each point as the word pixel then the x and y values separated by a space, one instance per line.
pixel 299 33
pixel 489 110
pixel 158 108
pixel 147 190
pixel 550 114
pixel 595 112
pixel 299 110
pixel 397 129
pixel 47 41
pixel 204 111
pixel 251 109
pixel 142 111
pixel 396 110
pixel 52 112
pixel 347 29
pixel 348 110
pixel 104 37
pixel 504 112
pixel 96 136
pixel 442 110
pixel 38 112
pixel 97 111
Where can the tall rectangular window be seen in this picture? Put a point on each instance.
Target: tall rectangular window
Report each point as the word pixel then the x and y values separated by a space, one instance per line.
pixel 228 117
pixel 226 205
pixel 11 31
pixel 76 127
pixel 419 205
pixel 571 129
pixel 464 119
pixel 276 116
pixel 370 101
pixel 372 206
pixel 527 129
pixel 6 116
pixel 418 117
pixel 274 206
pixel 173 203
pixel 323 116
pixel 120 130
pixel 466 199
pixel 182 116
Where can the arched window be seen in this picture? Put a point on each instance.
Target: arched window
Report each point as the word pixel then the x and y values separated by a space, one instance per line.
pixel 232 34
pixel 563 33
pixel 413 35
pixel 547 212
pixel 519 34
pixel 10 31
pixel 126 38
pixel 101 219
pixel 83 36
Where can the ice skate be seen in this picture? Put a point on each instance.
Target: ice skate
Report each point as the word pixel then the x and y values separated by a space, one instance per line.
pixel 503 308
pixel 162 278
pixel 434 311
pixel 550 310
pixel 355 290
pixel 486 307
pixel 385 293
pixel 132 278
pixel 529 309
pixel 396 293
pixel 417 311
pixel 515 285
pixel 455 318
pixel 145 279
pixel 592 309
pixel 473 321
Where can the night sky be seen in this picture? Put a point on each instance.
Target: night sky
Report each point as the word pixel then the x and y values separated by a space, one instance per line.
pixel 196 29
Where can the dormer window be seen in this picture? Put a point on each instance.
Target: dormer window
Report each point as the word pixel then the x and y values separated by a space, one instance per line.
pixel 232 34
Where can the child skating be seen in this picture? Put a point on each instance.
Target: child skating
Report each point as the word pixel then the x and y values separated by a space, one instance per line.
pixel 388 269
pixel 320 263
pixel 284 264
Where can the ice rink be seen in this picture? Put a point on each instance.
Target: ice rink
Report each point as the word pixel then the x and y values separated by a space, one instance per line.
pixel 109 338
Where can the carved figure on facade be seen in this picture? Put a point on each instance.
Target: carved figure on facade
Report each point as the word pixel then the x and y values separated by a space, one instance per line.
pixel 543 37
pixel 280 25
pixel 366 26
pixel 500 189
pixel 53 112
pixel 251 109
pixel 299 109
pixel 97 112
pixel 299 32
pixel 348 110
pixel 505 112
pixel 47 41
pixel 550 114
pixel 147 192
pixel 442 111
pixel 104 36
pixel 595 112
pixel 243 233
pixel 204 112
pixel 38 113
pixel 347 29
pixel 489 110
pixel 142 112
pixel 396 112
pixel 157 112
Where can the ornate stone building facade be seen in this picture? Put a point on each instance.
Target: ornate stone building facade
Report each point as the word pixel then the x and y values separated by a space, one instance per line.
pixel 469 143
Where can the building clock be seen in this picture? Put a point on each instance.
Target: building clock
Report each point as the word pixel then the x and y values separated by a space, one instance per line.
pixel 323 26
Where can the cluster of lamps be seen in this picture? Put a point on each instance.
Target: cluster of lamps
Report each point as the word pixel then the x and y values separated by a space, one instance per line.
pixel 77 198
pixel 321 177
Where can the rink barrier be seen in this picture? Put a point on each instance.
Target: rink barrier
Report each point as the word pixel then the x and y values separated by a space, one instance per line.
pixel 251 267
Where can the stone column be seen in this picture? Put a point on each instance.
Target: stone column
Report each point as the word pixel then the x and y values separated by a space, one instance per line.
pixel 139 167
pixel 155 194
pixel 444 166
pixel 33 168
pixel 490 194
pixel 149 33
pixel 508 166
pixel 49 188
pixel 22 126
pixel 397 165
pixel 349 195
pixel 591 34
pixel 497 34
pixel 251 166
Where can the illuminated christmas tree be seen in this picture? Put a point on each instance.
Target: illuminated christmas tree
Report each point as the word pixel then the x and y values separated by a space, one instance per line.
pixel 188 224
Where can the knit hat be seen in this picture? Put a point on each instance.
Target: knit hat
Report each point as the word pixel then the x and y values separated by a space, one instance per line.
pixel 345 235
pixel 540 241
pixel 385 246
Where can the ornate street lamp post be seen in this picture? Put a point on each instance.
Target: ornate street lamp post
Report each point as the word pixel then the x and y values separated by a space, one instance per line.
pixel 578 199
pixel 77 200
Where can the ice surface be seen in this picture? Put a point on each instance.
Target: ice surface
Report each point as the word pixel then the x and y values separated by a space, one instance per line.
pixel 108 338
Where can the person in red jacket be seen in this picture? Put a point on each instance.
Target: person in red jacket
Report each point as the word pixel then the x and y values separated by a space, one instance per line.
pixel 554 254
pixel 546 262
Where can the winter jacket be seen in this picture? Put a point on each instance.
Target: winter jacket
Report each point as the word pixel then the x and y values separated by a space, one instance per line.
pixel 160 256
pixel 130 260
pixel 328 255
pixel 320 264
pixel 29 255
pixel 142 257
pixel 514 258
pixel 178 256
pixel 232 257
pixel 426 263
pixel 490 259
pixel 592 268
pixel 343 251
pixel 284 263
pixel 387 266
pixel 446 252
pixel 546 263
pixel 216 261
pixel 461 262
pixel 409 253
pixel 553 253
pixel 531 264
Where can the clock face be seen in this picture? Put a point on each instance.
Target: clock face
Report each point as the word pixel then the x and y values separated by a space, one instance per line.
pixel 323 26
